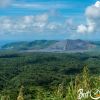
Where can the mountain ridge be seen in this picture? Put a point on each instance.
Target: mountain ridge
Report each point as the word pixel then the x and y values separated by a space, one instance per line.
pixel 52 45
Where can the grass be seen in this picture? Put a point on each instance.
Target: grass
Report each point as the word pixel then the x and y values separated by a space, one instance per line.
pixel 65 92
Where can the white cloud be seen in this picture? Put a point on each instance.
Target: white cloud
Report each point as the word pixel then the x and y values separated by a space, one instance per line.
pixel 93 19
pixel 36 24
pixel 5 24
pixel 41 6
pixel 55 26
pixel 82 29
pixel 24 24
pixel 5 3
pixel 28 19
pixel 97 4
pixel 41 18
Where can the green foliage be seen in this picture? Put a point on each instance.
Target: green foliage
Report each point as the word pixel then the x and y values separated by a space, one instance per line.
pixel 47 76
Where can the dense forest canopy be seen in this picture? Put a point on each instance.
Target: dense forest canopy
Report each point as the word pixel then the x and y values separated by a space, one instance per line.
pixel 46 70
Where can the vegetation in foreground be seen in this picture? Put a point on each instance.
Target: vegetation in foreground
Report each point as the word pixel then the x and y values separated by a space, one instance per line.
pixel 39 76
pixel 65 92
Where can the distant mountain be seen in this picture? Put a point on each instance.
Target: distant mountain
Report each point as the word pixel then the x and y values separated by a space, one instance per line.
pixel 72 45
pixel 96 43
pixel 36 45
pixel 52 45
pixel 3 42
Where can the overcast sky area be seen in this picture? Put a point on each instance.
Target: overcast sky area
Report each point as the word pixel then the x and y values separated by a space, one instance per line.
pixel 49 19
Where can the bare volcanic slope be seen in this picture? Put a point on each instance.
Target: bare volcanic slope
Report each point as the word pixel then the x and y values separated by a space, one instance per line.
pixel 66 45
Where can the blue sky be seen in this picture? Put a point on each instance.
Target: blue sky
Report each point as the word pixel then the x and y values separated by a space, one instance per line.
pixel 49 19
pixel 69 7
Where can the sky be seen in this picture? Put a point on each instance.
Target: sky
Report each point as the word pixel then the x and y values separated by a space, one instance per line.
pixel 49 19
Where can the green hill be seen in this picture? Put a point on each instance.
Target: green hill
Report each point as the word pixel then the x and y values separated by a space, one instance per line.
pixel 42 71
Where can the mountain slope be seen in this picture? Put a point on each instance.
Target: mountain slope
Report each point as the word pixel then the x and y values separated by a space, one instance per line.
pixel 52 45
pixel 72 45
pixel 37 44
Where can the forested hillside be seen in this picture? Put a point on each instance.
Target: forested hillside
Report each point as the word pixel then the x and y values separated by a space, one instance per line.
pixel 38 72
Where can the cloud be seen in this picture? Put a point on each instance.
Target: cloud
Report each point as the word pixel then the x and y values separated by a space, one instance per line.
pixel 5 3
pixel 26 24
pixel 81 28
pixel 97 4
pixel 41 6
pixel 33 5
pixel 34 24
pixel 93 19
pixel 41 18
